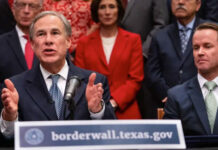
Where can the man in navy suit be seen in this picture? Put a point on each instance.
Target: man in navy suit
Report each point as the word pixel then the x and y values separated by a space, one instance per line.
pixel 209 10
pixel 12 49
pixel 150 15
pixel 26 96
pixel 169 64
pixel 188 101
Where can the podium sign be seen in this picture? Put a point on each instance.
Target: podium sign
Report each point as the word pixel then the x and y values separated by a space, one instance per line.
pixel 99 134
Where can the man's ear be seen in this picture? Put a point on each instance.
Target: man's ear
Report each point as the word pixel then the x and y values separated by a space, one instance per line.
pixel 32 45
pixel 68 42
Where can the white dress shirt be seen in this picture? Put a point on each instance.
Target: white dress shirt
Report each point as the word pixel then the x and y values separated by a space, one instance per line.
pixel 108 44
pixel 204 90
pixel 22 40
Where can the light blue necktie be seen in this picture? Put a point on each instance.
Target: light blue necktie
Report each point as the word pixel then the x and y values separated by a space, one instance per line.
pixel 211 104
pixel 56 94
pixel 184 38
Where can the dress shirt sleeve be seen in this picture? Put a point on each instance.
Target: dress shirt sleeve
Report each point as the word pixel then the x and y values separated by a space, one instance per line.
pixel 7 127
pixel 98 115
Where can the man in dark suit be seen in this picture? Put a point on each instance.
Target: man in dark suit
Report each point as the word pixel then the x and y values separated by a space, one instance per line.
pixel 50 35
pixel 170 60
pixel 7 21
pixel 193 102
pixel 209 10
pixel 150 15
pixel 12 50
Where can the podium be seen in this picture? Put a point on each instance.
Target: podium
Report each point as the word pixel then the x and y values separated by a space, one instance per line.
pixel 99 134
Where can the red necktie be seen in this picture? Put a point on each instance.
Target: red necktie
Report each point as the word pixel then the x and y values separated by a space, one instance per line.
pixel 28 53
pixel 10 2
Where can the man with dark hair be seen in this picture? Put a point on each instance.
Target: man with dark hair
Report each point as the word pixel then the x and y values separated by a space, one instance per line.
pixel 195 101
pixel 150 15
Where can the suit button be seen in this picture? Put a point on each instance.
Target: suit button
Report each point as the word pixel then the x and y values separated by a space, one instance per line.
pixel 180 71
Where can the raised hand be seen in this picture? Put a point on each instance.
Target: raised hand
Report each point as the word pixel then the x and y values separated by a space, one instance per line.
pixel 10 99
pixel 94 94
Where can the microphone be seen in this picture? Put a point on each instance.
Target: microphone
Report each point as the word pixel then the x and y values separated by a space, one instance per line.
pixel 73 83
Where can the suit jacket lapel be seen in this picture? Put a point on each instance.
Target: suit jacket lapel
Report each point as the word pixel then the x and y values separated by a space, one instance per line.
pixel 37 89
pixel 14 42
pixel 215 130
pixel 174 35
pixel 128 9
pixel 198 103
pixel 118 49
pixel 98 47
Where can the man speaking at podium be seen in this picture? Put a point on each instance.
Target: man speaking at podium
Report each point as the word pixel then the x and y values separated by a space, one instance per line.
pixel 37 95
pixel 195 102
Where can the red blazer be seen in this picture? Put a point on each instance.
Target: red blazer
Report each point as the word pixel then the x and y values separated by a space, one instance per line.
pixel 124 71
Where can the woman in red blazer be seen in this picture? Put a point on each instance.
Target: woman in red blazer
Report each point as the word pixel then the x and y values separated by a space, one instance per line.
pixel 117 54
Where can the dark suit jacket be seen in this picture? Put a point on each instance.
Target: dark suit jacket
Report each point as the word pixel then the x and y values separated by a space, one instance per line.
pixel 167 66
pixel 145 17
pixel 7 21
pixel 35 103
pixel 209 10
pixel 12 59
pixel 186 102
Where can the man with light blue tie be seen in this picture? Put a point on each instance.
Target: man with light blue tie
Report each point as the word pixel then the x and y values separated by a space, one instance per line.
pixel 195 101
pixel 37 94
pixel 170 61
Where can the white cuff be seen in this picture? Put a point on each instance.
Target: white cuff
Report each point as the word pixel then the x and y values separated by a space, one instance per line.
pixel 100 114
pixel 7 127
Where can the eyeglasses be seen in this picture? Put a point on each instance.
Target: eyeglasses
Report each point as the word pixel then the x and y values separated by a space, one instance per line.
pixel 30 5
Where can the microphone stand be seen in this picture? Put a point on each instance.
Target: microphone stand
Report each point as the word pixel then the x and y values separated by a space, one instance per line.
pixel 71 108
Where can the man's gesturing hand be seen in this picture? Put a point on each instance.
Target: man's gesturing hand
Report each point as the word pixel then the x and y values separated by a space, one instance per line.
pixel 10 101
pixel 94 94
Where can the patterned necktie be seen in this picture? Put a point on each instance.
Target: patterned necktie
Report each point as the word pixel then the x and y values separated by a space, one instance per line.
pixel 56 94
pixel 184 38
pixel 211 103
pixel 28 53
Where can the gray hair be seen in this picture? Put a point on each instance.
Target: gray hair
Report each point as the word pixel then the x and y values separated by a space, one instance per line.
pixel 66 23
pixel 40 2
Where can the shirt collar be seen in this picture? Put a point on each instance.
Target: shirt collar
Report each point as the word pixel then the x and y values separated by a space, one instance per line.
pixel 19 32
pixel 202 80
pixel 63 72
pixel 189 25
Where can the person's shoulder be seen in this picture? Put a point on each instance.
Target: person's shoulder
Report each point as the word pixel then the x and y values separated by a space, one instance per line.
pixel 84 74
pixel 20 78
pixel 180 89
pixel 4 35
pixel 90 36
pixel 166 28
pixel 128 33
